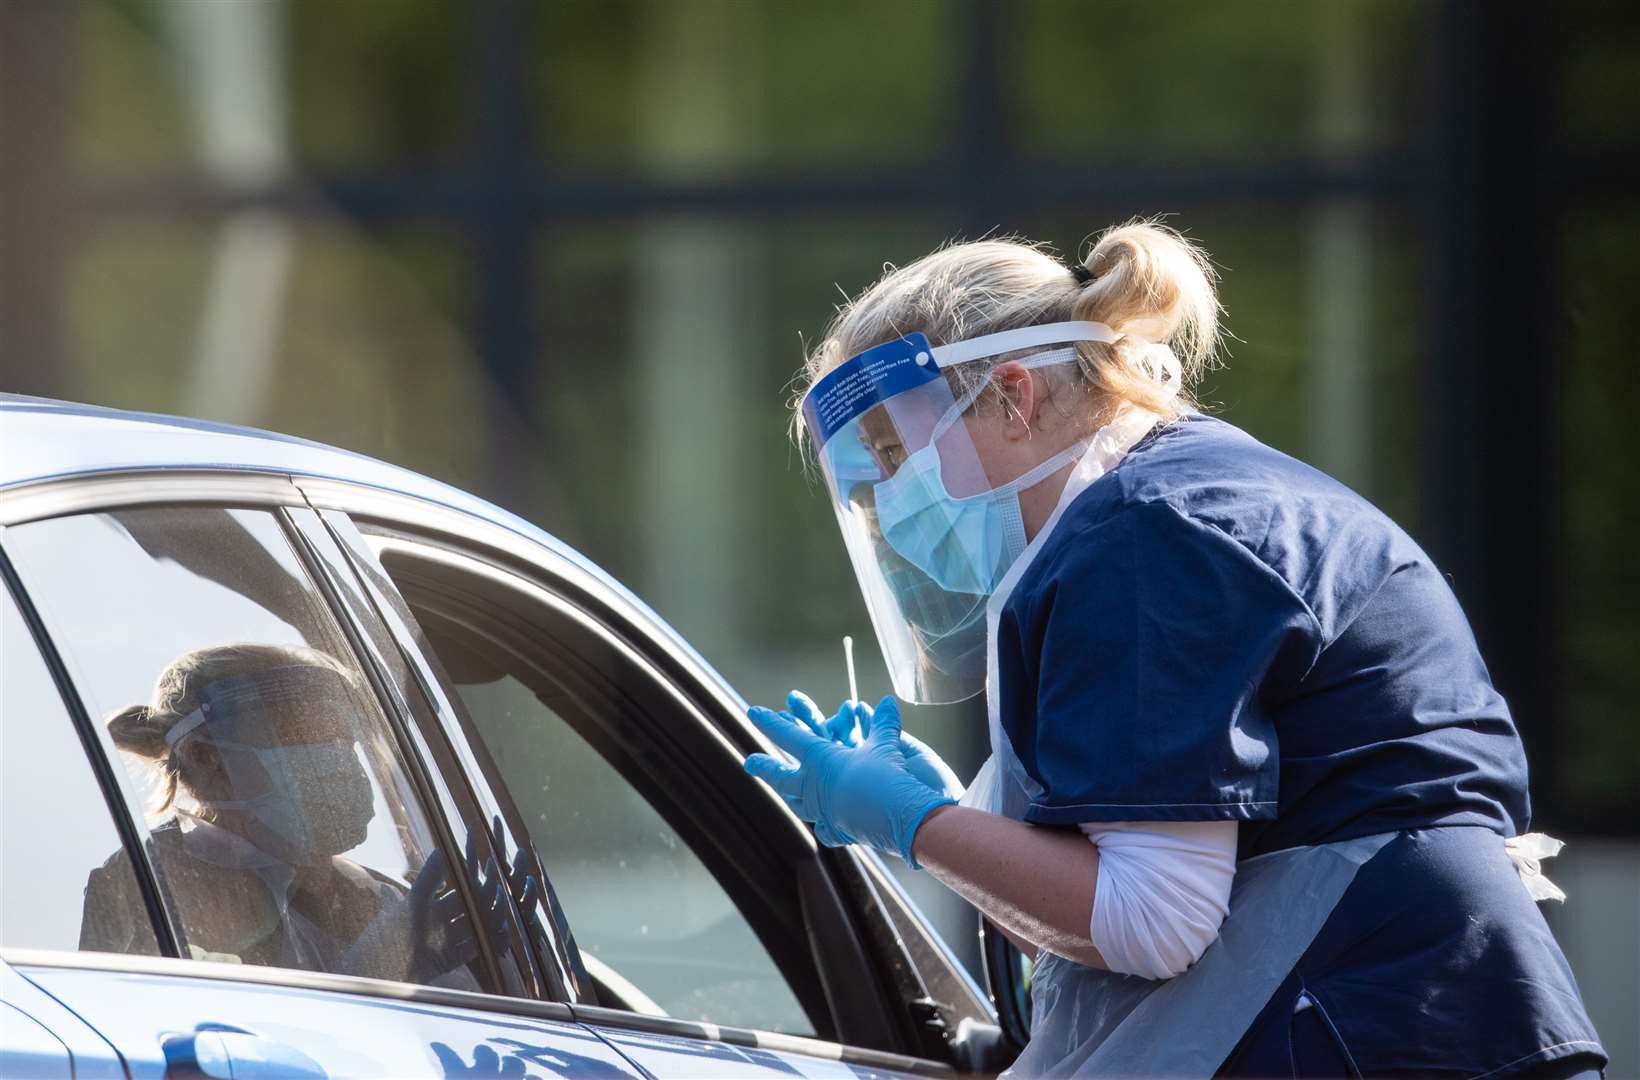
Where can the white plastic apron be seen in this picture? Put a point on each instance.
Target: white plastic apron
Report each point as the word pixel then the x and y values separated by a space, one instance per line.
pixel 1091 1023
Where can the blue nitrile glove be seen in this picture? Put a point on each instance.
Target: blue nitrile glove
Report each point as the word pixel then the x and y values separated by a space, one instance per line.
pixel 852 722
pixel 854 794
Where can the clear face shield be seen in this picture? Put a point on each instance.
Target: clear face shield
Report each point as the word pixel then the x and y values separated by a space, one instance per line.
pixel 930 530
pixel 285 739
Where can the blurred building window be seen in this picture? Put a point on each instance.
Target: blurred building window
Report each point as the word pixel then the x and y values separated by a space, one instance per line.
pixel 1597 747
pixel 708 88
pixel 378 82
pixel 1131 81
pixel 1599 76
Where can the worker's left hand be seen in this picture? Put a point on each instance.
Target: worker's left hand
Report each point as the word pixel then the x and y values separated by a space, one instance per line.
pixel 854 794
pixel 852 723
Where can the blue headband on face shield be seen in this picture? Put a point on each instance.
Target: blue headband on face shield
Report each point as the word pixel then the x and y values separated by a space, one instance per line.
pixel 243 695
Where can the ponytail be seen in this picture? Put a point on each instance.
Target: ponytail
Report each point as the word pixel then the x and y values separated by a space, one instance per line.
pixel 1143 280
pixel 140 730
pixel 1148 283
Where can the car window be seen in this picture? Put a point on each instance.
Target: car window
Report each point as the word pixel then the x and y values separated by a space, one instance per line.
pixel 286 829
pixel 56 832
pixel 657 930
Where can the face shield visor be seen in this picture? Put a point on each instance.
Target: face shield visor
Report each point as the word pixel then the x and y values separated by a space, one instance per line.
pixel 929 529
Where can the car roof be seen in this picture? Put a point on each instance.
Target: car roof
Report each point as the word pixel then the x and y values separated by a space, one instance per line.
pixel 43 439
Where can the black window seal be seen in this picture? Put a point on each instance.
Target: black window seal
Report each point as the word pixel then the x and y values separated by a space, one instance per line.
pixel 932 1031
pixel 525 644
pixel 553 977
pixel 134 839
pixel 398 715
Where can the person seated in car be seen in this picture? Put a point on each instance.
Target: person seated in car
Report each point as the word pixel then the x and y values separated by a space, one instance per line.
pixel 264 738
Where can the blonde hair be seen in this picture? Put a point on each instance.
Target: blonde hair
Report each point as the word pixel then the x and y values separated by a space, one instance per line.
pixel 141 729
pixel 1144 280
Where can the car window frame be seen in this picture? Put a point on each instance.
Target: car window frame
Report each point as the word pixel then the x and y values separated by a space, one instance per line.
pixel 918 1041
pixel 692 747
pixel 278 495
pixel 455 813
pixel 851 872
pixel 441 743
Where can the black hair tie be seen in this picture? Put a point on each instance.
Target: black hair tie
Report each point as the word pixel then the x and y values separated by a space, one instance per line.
pixel 1081 273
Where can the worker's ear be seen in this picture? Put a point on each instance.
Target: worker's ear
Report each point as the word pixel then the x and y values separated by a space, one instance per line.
pixel 1016 388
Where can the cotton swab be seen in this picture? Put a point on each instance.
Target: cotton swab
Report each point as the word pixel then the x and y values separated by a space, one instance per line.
pixel 848 657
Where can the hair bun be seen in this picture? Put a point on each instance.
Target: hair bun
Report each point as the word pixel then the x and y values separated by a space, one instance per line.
pixel 140 730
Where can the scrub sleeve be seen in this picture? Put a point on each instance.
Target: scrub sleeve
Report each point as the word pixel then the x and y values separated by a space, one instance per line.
pixel 1132 663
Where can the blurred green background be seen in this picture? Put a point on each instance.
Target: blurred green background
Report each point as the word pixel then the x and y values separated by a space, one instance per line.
pixel 566 253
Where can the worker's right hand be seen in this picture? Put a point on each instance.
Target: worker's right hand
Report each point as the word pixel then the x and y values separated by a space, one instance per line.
pixel 854 794
pixel 851 725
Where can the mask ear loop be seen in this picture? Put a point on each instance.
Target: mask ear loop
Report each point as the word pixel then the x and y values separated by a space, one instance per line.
pixel 1051 358
pixel 964 403
pixel 961 405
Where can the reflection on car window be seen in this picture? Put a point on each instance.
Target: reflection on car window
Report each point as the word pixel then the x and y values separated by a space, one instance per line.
pixel 54 821
pixel 656 929
pixel 285 828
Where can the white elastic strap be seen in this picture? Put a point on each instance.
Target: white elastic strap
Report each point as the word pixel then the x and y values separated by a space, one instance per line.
pixel 961 405
pixel 181 728
pixel 1527 852
pixel 1025 337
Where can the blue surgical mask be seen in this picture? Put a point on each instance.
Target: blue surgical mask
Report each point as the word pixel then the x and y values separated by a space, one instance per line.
pixel 965 544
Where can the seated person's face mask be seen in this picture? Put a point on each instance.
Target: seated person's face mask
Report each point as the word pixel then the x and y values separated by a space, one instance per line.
pixel 313 800
pixel 300 800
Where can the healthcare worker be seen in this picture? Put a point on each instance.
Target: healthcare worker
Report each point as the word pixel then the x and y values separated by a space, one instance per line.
pixel 1253 803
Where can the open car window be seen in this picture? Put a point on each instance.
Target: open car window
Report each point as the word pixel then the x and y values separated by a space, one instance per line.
pixel 662 922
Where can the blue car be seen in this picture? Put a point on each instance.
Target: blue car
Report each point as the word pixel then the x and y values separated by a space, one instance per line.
pixel 311 766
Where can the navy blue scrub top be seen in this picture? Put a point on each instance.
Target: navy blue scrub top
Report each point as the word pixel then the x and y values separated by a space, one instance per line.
pixel 1218 631
pixel 1215 631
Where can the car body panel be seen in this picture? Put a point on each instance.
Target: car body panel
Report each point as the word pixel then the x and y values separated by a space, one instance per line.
pixel 147 1014
pixel 83 1053
pixel 30 1049
pixel 673 1056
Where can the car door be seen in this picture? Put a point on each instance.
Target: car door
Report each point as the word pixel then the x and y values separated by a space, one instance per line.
pixel 237 927
pixel 706 925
